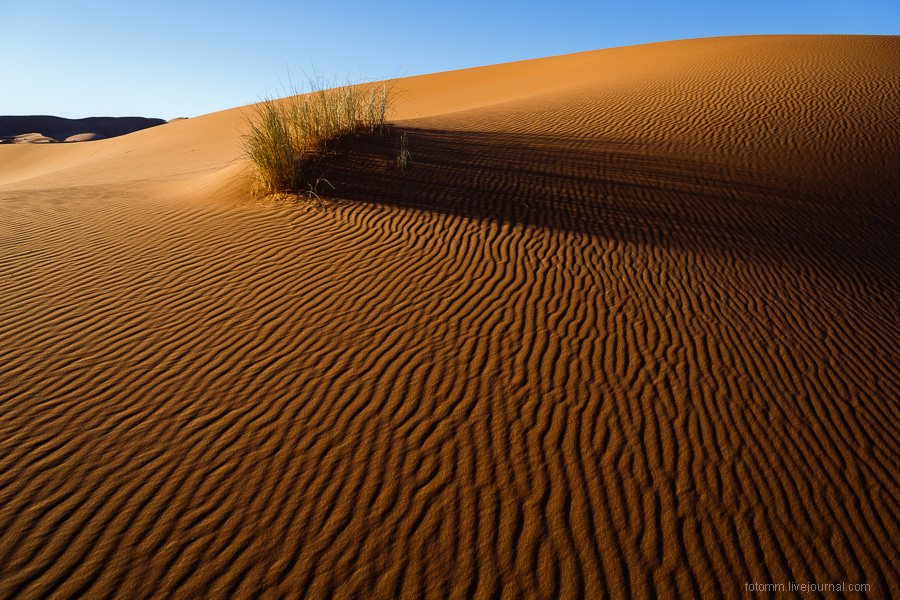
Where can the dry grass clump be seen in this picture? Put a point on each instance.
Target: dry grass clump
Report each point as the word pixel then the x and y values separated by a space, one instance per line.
pixel 404 159
pixel 289 137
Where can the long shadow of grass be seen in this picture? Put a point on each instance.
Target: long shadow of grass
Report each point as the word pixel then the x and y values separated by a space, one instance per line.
pixel 600 187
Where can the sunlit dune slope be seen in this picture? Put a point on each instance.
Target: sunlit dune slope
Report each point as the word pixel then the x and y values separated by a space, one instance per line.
pixel 826 100
pixel 626 328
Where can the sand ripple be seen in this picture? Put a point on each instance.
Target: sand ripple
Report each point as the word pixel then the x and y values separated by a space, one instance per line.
pixel 606 341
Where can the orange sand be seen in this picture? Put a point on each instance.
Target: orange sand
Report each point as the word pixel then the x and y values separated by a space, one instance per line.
pixel 627 328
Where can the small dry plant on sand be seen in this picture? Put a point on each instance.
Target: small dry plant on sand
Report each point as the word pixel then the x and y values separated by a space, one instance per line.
pixel 404 159
pixel 290 137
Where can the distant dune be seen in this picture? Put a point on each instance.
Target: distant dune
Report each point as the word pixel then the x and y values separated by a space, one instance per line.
pixel 628 327
pixel 31 129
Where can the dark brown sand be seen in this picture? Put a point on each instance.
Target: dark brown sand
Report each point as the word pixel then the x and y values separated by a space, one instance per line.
pixel 627 328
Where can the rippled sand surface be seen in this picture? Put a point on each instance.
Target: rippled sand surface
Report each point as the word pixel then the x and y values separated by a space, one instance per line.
pixel 628 327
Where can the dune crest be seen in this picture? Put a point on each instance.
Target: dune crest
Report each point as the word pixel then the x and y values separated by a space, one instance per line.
pixel 36 129
pixel 626 328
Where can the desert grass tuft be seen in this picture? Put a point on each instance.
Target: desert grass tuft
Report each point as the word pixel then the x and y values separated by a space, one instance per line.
pixel 403 156
pixel 289 138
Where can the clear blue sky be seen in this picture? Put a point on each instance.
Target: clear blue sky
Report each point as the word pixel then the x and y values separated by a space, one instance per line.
pixel 169 59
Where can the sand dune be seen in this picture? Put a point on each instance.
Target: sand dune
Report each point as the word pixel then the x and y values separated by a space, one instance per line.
pixel 31 129
pixel 627 328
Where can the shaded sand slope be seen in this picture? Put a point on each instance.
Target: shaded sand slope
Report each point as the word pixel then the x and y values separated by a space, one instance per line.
pixel 629 331
pixel 25 129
